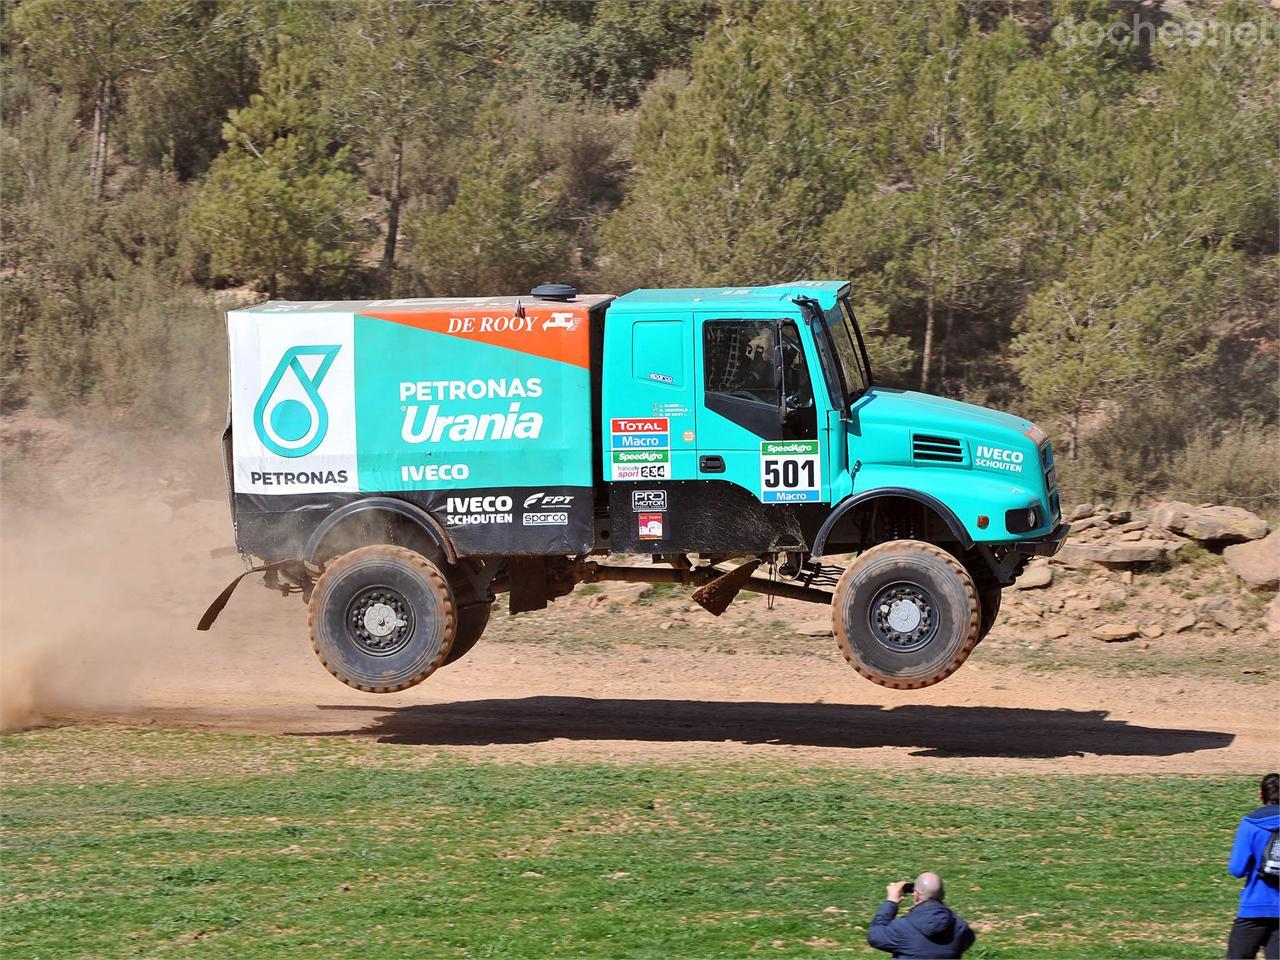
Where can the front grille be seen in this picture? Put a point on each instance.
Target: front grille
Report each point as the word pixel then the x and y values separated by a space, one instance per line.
pixel 1050 479
pixel 936 449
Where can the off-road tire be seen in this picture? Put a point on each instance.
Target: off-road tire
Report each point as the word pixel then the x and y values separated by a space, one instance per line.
pixel 949 606
pixel 472 620
pixel 394 577
pixel 989 594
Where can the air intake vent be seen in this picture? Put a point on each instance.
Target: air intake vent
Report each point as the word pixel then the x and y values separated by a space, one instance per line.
pixel 936 449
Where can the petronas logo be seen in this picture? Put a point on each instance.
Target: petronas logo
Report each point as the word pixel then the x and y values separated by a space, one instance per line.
pixel 290 418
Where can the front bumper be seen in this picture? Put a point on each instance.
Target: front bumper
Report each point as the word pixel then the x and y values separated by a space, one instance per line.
pixel 1046 546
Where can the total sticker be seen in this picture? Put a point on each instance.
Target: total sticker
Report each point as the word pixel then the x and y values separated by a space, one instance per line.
pixel 650 525
pixel 790 471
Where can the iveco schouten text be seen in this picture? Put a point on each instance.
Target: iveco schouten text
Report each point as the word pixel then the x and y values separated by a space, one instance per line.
pixel 399 463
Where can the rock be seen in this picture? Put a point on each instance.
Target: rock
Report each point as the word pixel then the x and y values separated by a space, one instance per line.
pixel 1139 551
pixel 1056 629
pixel 1222 610
pixel 1118 516
pixel 1037 573
pixel 1271 616
pixel 1184 621
pixel 1072 555
pixel 1130 535
pixel 1115 595
pixel 1027 610
pixel 1079 512
pixel 1256 563
pixel 1152 630
pixel 1132 525
pixel 1088 534
pixel 1082 604
pixel 1231 524
pixel 1115 632
pixel 1092 523
pixel 628 593
pixel 814 628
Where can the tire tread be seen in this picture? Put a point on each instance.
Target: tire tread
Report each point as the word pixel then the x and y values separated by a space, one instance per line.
pixel 972 635
pixel 411 558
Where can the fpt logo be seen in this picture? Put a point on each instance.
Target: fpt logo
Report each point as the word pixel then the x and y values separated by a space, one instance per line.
pixel 288 425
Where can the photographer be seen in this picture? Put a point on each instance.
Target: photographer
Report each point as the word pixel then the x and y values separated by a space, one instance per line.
pixel 930 930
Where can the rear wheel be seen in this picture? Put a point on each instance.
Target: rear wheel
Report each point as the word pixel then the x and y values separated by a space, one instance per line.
pixel 382 618
pixel 907 614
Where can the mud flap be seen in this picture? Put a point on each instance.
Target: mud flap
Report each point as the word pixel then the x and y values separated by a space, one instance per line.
pixel 716 596
pixel 220 601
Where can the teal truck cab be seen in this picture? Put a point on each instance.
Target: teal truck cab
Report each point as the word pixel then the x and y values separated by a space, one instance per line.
pixel 401 462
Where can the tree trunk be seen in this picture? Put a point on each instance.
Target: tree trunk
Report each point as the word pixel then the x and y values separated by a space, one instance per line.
pixel 393 221
pixel 926 355
pixel 947 324
pixel 101 125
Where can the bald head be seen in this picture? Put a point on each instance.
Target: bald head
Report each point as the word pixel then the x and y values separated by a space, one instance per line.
pixel 929 886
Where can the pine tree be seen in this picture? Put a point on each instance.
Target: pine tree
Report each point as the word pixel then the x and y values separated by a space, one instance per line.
pixel 498 232
pixel 280 206
pixel 401 72
pixel 93 48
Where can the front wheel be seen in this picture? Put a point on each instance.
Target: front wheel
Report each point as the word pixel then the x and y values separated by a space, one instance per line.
pixel 907 614
pixel 382 618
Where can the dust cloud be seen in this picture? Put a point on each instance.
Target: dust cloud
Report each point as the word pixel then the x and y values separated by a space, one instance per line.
pixel 105 567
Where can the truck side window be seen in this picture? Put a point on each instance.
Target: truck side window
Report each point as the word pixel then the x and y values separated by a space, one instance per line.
pixel 738 359
pixel 739 364
pixel 801 419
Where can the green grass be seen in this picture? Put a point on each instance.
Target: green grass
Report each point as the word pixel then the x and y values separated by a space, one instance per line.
pixel 123 843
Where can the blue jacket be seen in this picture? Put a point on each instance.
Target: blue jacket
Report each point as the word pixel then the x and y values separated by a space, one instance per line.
pixel 1260 897
pixel 930 930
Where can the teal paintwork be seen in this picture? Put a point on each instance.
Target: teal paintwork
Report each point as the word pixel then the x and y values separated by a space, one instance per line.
pixel 881 429
pixel 1004 464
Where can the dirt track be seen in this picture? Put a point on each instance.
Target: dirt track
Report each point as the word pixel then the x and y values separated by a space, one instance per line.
pixel 122 648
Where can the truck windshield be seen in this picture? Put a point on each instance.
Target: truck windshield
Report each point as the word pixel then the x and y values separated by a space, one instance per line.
pixel 847 341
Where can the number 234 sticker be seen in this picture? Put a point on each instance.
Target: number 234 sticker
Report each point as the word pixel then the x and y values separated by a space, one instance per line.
pixel 790 471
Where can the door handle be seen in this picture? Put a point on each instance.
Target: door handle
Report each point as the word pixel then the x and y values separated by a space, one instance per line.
pixel 711 464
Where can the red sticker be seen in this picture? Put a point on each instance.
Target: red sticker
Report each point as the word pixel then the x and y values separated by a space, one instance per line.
pixel 650 526
pixel 641 425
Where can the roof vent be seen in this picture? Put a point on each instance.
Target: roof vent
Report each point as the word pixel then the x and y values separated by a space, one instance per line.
pixel 936 449
pixel 554 291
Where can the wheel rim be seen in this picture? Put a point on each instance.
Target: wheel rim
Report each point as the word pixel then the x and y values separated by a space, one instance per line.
pixel 903 617
pixel 380 621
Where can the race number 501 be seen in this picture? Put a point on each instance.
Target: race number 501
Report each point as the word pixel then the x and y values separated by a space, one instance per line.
pixel 790 471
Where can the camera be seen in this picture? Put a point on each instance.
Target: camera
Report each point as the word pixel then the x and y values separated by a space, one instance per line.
pixel 908 887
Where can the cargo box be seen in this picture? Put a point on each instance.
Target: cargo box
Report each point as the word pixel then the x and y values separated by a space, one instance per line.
pixel 479 411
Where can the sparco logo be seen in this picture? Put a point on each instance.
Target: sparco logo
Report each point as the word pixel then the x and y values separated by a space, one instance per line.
pixel 998 458
pixel 285 425
pixel 546 518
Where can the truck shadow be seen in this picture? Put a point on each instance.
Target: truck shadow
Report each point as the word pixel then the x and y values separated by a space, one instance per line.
pixel 933 731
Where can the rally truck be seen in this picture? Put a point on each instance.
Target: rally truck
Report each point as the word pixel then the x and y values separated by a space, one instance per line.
pixel 401 463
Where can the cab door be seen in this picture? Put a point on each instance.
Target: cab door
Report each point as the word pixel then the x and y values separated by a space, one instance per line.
pixel 759 426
